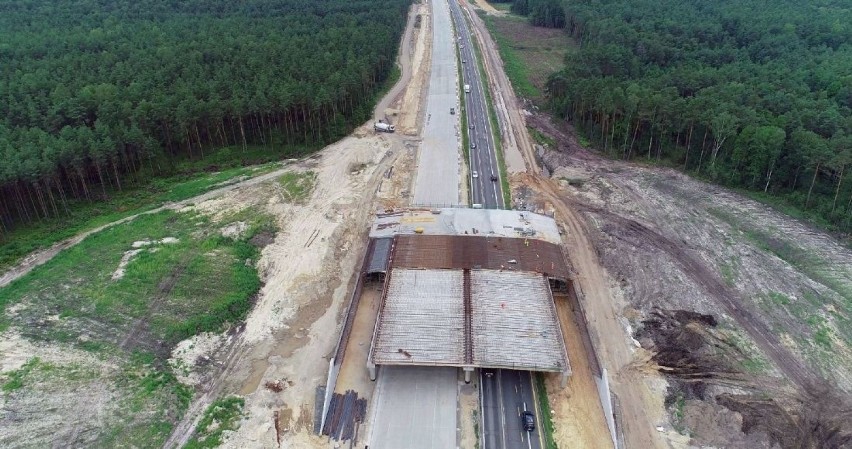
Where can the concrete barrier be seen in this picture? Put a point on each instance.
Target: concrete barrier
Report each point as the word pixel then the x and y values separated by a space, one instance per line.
pixel 606 402
pixel 330 382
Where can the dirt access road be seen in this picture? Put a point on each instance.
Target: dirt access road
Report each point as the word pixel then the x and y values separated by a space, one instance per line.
pixel 665 241
pixel 306 271
pixel 641 407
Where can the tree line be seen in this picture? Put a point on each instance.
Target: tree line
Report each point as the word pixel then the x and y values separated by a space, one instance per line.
pixel 751 94
pixel 95 94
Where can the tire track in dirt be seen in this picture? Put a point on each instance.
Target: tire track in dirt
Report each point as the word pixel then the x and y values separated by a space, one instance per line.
pixel 640 235
pixel 638 410
pixel 43 256
pixel 300 226
pixel 139 330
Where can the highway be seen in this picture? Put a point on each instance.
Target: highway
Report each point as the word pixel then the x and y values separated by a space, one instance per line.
pixel 484 172
pixel 437 181
pixel 504 394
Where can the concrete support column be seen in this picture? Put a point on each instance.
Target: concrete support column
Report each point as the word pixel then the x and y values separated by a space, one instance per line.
pixel 372 369
pixel 467 371
pixel 564 380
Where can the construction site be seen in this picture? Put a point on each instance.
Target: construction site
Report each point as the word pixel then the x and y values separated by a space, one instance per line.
pixel 404 304
pixel 452 293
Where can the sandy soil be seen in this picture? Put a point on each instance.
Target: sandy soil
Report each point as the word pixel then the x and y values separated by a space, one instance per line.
pixel 468 414
pixel 488 8
pixel 576 410
pixel 73 374
pixel 307 271
pixel 353 372
pixel 382 110
pixel 665 240
pixel 412 103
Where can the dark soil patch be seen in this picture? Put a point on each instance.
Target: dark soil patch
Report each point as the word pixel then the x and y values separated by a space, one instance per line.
pixel 262 238
pixel 701 365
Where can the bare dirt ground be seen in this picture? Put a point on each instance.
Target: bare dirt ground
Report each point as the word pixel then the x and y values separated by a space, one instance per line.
pixel 410 106
pixel 644 239
pixel 307 271
pixel 487 7
pixel 468 414
pixel 576 408
pixel 407 44
pixel 353 372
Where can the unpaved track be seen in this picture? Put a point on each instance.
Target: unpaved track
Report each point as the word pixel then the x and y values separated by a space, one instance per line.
pixel 42 256
pixel 639 415
pixel 641 407
pixel 740 310
pixel 404 60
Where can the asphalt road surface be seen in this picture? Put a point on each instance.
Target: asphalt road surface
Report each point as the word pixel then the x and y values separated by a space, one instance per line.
pixel 484 171
pixel 505 393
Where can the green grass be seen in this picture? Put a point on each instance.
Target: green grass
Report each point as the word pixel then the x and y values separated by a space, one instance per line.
pixel 779 299
pixel 728 270
pixel 475 417
pixel 545 420
pixel 298 185
pixel 505 7
pixel 169 292
pixel 495 127
pixel 222 415
pixel 15 379
pixel 85 215
pixel 198 284
pixel 542 139
pixel 677 414
pixel 151 400
pixel 514 66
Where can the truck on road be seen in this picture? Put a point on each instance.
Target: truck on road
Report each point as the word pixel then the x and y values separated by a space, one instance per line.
pixel 467 88
pixel 382 127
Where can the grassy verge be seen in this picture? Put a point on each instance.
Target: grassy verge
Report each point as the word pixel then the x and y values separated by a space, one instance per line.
pixel 298 185
pixel 191 284
pixel 475 417
pixel 495 127
pixel 84 215
pixel 222 415
pixel 545 420
pixel 515 68
pixel 542 139
pixel 182 277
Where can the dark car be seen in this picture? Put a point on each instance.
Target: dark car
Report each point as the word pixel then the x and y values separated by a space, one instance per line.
pixel 528 420
pixel 494 178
